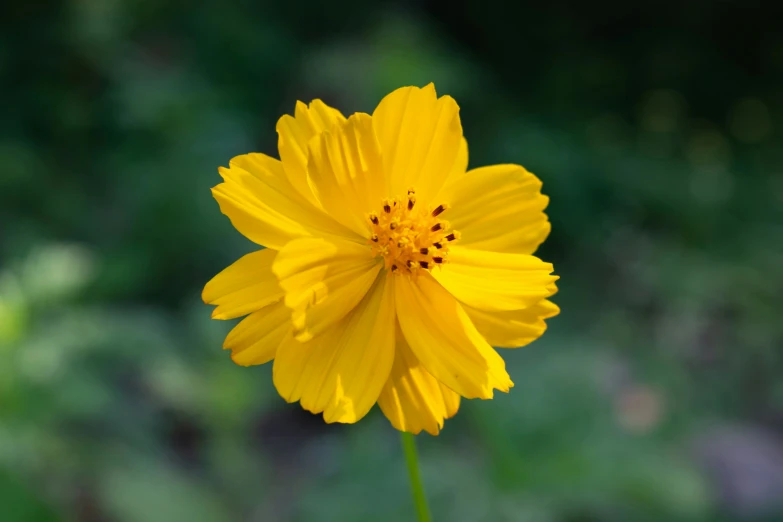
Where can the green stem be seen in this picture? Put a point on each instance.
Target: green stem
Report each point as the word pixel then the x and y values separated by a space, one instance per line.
pixel 419 500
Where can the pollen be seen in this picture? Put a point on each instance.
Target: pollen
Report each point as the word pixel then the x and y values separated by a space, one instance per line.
pixel 410 237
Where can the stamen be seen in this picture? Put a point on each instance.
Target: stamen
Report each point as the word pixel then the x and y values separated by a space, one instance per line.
pixel 440 209
pixel 409 236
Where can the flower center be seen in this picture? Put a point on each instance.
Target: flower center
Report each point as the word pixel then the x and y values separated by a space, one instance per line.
pixel 410 238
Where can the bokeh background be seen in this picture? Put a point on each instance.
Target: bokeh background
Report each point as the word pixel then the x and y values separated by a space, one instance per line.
pixel 657 394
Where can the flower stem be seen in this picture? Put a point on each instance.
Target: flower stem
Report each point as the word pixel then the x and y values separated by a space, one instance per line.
pixel 419 500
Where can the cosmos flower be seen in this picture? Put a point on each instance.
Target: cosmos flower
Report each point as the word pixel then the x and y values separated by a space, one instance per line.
pixel 389 270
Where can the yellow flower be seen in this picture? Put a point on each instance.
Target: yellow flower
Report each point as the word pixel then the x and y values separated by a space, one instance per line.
pixel 365 292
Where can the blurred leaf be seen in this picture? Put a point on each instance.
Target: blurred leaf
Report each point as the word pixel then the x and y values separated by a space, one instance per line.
pixel 21 505
pixel 146 491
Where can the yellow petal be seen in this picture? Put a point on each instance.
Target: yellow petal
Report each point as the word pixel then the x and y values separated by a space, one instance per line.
pixel 445 341
pixel 245 286
pixel 513 328
pixel 412 399
pixel 420 137
pixel 264 207
pixel 323 280
pixel 342 371
pixel 256 338
pixel 346 172
pixel 498 208
pixel 294 133
pixel 495 281
pixel 460 164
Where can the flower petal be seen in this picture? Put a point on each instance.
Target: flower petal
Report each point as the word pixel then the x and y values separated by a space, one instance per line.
pixel 414 400
pixel 346 172
pixel 461 163
pixel 245 286
pixel 513 328
pixel 264 207
pixel 323 280
pixel 342 371
pixel 420 137
pixel 256 338
pixel 495 281
pixel 294 133
pixel 498 208
pixel 445 341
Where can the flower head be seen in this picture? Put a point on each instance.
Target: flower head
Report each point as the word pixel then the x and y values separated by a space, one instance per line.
pixel 390 271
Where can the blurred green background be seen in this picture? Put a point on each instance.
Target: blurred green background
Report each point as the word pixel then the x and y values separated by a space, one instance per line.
pixel 657 394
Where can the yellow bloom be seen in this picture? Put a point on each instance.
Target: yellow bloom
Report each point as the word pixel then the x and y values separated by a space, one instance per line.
pixel 365 292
